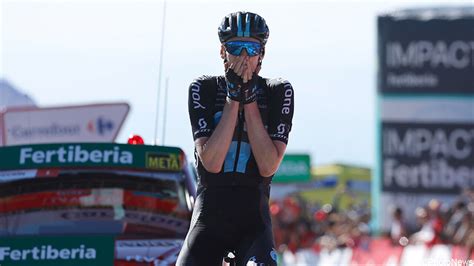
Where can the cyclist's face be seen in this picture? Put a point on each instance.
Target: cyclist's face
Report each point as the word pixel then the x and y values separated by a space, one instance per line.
pixel 252 61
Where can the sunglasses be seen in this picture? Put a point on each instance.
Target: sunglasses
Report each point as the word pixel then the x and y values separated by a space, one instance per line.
pixel 235 48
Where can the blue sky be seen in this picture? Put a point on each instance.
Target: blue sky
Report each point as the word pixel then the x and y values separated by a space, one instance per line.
pixel 79 52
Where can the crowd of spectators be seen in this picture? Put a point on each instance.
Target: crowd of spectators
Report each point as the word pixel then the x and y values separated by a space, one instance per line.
pixel 438 223
pixel 298 224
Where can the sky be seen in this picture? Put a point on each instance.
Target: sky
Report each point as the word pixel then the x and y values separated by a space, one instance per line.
pixel 75 52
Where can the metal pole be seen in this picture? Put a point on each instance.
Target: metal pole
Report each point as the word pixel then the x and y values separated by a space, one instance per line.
pixel 157 117
pixel 165 111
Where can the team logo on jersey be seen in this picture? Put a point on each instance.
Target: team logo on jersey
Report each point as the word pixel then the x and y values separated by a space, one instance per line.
pixel 281 128
pixel 287 100
pixel 274 254
pixel 202 123
pixel 196 95
pixel 252 261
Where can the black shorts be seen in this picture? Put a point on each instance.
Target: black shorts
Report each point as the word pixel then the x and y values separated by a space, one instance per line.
pixel 230 219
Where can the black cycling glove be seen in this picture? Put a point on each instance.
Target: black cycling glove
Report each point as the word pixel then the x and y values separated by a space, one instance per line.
pixel 233 84
pixel 249 90
pixel 239 91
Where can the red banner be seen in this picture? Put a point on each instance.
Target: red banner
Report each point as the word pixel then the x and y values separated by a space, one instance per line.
pixel 86 198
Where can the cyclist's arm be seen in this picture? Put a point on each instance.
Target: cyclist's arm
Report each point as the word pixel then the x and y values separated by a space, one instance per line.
pixel 212 140
pixel 267 152
pixel 269 145
pixel 212 150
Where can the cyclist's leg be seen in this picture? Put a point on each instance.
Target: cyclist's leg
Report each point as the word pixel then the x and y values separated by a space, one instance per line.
pixel 202 245
pixel 200 248
pixel 257 248
pixel 258 244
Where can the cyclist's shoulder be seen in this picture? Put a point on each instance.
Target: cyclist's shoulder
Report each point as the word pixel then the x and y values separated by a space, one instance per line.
pixel 204 79
pixel 204 83
pixel 278 84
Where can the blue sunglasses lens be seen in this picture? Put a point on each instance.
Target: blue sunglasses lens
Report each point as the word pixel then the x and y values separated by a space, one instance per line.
pixel 235 48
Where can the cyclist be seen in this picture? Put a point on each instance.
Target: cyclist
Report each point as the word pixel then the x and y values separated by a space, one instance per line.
pixel 240 123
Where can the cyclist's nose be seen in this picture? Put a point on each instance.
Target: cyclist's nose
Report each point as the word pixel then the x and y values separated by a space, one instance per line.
pixel 244 52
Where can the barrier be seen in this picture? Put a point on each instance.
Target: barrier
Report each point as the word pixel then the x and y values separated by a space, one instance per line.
pixel 381 252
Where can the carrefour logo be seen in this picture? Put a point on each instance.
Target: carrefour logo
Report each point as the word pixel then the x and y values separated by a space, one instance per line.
pixel 47 252
pixel 75 154
pixel 101 126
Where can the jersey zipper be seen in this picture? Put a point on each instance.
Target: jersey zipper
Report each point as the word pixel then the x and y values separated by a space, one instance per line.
pixel 239 139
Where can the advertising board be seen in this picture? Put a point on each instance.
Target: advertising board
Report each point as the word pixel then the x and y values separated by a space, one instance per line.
pixel 45 251
pixel 85 123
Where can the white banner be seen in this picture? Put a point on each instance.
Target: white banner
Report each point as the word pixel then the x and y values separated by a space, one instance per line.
pixel 430 110
pixel 86 123
pixel 147 250
pixel 13 175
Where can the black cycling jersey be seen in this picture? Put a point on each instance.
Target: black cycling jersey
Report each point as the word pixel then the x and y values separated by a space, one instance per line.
pixel 207 96
pixel 231 212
